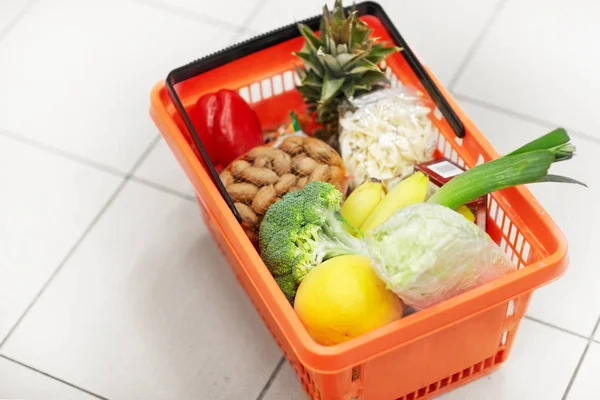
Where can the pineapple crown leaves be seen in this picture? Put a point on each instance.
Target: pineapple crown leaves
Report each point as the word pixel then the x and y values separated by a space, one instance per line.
pixel 339 64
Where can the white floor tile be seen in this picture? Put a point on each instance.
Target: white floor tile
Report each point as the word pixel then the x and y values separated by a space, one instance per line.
pixel 149 306
pixel 161 167
pixel 244 35
pixel 46 204
pixel 587 385
pixel 572 302
pixel 18 382
pixel 78 75
pixel 537 60
pixel 286 386
pixel 9 10
pixel 540 366
pixel 275 14
pixel 439 31
pixel 232 11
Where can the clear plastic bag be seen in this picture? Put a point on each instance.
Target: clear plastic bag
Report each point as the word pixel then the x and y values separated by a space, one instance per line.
pixel 429 253
pixel 385 133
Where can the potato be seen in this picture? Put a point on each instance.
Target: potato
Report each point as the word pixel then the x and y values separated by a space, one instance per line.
pixel 282 162
pixel 304 166
pixel 286 182
pixel 260 151
pixel 336 174
pixel 259 176
pixel 320 174
pixel 263 162
pixel 242 192
pixel 226 178
pixel 249 218
pixel 263 199
pixel 292 145
pixel 322 152
pixel 302 182
pixel 238 167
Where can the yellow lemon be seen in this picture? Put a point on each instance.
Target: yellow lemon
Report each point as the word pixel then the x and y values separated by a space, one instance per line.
pixel 343 298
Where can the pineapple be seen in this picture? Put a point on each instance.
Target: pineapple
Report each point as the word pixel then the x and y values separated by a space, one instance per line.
pixel 338 65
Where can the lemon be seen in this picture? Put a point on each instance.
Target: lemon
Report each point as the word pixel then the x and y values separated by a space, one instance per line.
pixel 343 298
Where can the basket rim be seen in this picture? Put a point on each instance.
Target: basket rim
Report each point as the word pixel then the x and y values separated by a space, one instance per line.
pixel 332 359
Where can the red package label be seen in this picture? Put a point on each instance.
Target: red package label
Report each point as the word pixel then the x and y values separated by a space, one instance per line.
pixel 440 172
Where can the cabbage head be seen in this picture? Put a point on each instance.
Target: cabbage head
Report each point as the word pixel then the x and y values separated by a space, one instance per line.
pixel 427 253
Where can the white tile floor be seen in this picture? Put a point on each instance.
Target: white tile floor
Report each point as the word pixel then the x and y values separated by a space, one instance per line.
pixel 111 287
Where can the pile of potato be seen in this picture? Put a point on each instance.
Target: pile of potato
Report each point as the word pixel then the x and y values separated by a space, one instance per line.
pixel 259 179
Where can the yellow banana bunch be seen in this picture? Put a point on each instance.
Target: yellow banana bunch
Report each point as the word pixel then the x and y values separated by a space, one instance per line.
pixel 466 212
pixel 368 206
pixel 361 202
pixel 409 191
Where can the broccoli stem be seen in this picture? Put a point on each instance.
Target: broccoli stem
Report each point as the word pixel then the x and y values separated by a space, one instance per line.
pixel 338 242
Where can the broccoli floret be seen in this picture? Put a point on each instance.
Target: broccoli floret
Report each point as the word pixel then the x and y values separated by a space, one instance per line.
pixel 278 251
pixel 301 231
pixel 288 286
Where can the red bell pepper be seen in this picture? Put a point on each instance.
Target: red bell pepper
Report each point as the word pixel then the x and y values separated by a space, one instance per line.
pixel 227 126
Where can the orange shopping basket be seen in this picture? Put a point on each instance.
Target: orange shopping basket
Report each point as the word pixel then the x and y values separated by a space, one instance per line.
pixel 422 355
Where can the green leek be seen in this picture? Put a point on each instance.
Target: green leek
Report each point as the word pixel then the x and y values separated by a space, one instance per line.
pixel 527 164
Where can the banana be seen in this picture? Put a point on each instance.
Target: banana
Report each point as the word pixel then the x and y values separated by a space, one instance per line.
pixel 466 212
pixel 409 191
pixel 361 202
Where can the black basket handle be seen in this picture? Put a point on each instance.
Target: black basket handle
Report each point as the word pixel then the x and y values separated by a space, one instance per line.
pixel 281 35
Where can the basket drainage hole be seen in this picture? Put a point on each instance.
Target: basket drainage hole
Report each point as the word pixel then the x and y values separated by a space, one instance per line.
pixel 455 377
pixel 444 383
pixel 488 363
pixel 410 396
pixel 466 373
pixel 355 374
pixel 499 357
pixel 510 309
pixel 433 387
pixel 477 367
pixel 504 338
pixel 421 393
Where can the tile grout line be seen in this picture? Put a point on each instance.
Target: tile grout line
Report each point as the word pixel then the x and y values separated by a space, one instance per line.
pixel 476 44
pixel 186 13
pixel 17 18
pixel 269 382
pixel 62 153
pixel 151 146
pixel 163 188
pixel 81 238
pixel 94 164
pixel 549 325
pixel 523 117
pixel 581 360
pixel 248 20
pixel 53 377
pixel 72 250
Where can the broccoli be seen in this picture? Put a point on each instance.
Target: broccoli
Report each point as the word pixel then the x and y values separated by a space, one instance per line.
pixel 301 231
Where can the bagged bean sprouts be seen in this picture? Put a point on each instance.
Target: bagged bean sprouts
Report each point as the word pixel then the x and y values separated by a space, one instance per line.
pixel 384 134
